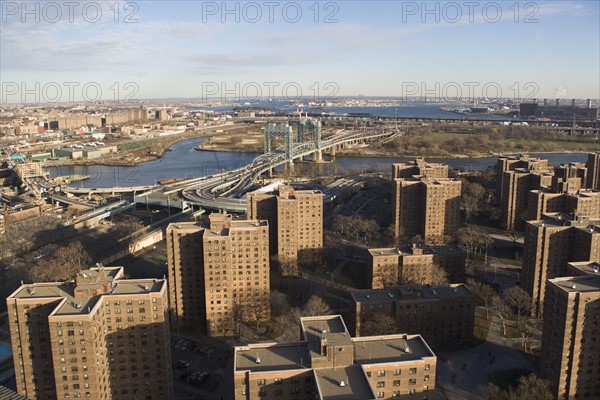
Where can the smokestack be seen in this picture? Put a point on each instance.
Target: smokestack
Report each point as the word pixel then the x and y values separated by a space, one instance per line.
pixel 545 102
pixel 557 102
pixel 588 103
pixel 573 103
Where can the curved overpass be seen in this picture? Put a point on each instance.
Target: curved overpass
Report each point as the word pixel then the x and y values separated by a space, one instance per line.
pixel 222 191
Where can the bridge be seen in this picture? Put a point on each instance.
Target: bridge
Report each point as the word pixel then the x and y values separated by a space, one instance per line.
pixel 222 191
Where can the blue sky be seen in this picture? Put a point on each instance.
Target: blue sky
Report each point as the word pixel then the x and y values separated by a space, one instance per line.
pixel 376 48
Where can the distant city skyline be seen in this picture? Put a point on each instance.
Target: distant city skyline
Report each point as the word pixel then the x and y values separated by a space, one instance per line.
pixel 183 49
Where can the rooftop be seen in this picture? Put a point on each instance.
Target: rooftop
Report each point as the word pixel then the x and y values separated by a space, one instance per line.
pixel 390 348
pixel 578 284
pixel 80 299
pixel 356 385
pixel 585 267
pixel 330 327
pixel 411 293
pixel 272 357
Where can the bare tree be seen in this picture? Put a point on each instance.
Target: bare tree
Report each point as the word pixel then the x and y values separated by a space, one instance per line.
pixel 514 235
pixel 484 291
pixel 438 276
pixel 379 324
pixel 316 306
pixel 502 310
pixel 471 198
pixel 519 301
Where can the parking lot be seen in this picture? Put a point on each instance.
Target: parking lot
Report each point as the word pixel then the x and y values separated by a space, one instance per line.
pixel 198 368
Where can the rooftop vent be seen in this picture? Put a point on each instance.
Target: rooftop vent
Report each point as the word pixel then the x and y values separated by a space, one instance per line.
pixel 407 349
pixel 257 359
pixel 342 383
pixel 573 286
pixel 324 331
pixel 391 295
pixel 32 290
pixel 595 270
pixel 146 287
pixel 368 296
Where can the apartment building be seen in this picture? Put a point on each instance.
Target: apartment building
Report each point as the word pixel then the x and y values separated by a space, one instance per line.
pixel 329 364
pixel 296 220
pixel 593 170
pixel 419 167
pixel 98 336
pixel 583 201
pixel 570 337
pixel 516 176
pixel 551 243
pixel 443 315
pixel 219 273
pixel 429 208
pixel 414 264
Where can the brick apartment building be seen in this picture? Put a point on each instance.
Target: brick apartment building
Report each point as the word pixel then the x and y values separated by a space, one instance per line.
pixel 99 336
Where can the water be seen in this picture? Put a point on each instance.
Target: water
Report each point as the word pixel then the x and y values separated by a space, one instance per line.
pixel 403 110
pixel 185 162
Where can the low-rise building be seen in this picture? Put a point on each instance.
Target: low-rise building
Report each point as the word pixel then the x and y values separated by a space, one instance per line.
pixel 443 315
pixel 329 364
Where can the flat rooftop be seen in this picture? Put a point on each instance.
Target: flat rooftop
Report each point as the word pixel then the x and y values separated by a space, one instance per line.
pixel 411 293
pixel 329 327
pixel 586 267
pixel 390 348
pixel 70 304
pixel 578 284
pixel 391 251
pixel 272 357
pixel 356 385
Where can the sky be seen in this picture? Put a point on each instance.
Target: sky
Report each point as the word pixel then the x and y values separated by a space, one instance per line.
pixel 109 50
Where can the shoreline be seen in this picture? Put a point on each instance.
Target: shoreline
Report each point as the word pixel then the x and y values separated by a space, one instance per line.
pixel 153 157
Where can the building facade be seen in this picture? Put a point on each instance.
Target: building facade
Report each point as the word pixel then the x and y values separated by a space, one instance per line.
pixel 443 315
pixel 593 171
pixel 219 273
pixel 99 336
pixel 583 201
pixel 429 208
pixel 551 243
pixel 329 364
pixel 414 264
pixel 516 176
pixel 297 216
pixel 570 337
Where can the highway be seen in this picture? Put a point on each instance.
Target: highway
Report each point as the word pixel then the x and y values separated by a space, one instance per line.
pixel 222 191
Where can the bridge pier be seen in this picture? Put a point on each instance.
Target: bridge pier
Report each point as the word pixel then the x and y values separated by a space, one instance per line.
pixel 289 167
pixel 332 151
pixel 318 156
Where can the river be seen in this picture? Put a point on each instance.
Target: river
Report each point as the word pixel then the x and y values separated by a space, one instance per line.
pixel 185 162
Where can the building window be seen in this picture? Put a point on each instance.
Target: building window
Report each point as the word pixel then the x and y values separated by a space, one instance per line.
pixel 380 395
pixel 260 382
pixel 380 373
pixel 396 372
pixel 396 383
pixel 278 381
pixel 380 384
pixel 412 371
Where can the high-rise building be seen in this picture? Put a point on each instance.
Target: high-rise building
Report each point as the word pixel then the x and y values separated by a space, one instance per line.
pixel 219 273
pixel 441 314
pixel 569 178
pixel 329 364
pixel 414 264
pixel 583 201
pixel 516 176
pixel 570 337
pixel 419 167
pixel 429 208
pixel 297 216
pixel 552 242
pixel 99 336
pixel 593 171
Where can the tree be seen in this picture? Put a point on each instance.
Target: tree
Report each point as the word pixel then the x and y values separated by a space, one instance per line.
pixel 379 324
pixel 502 310
pixel 518 300
pixel 65 264
pixel 439 276
pixel 514 235
pixel 531 387
pixel 279 303
pixel 471 198
pixel 490 392
pixel 484 291
pixel 316 306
